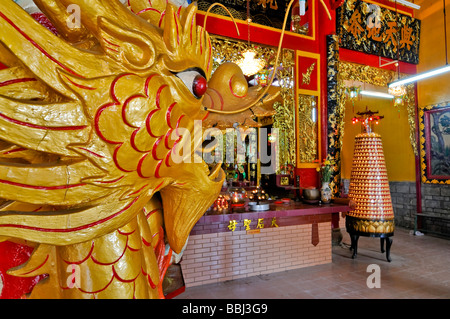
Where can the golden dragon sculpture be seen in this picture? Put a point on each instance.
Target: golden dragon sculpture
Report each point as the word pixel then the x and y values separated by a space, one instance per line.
pixel 90 118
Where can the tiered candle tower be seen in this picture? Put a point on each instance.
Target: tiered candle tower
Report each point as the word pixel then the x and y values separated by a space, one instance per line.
pixel 369 187
pixel 373 215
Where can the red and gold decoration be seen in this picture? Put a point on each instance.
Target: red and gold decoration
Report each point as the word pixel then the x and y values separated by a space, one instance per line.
pixel 263 12
pixel 374 29
pixel 373 215
pixel 308 66
pixel 369 116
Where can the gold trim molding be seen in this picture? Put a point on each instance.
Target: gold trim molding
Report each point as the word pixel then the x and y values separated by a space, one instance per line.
pixel 371 226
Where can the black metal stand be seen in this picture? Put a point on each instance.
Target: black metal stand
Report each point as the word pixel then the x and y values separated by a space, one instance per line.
pixel 354 244
pixel 351 225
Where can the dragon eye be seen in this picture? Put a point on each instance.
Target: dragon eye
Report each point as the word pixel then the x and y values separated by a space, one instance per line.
pixel 194 81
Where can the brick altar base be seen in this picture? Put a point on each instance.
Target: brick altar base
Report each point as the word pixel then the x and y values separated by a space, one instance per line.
pixel 222 256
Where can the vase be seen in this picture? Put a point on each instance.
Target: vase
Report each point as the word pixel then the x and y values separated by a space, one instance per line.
pixel 325 193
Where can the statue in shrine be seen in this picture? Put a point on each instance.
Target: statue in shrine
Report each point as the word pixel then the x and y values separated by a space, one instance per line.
pixel 91 112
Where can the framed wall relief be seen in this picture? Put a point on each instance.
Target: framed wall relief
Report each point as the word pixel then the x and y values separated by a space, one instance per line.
pixel 434 129
pixel 308 106
pixel 308 131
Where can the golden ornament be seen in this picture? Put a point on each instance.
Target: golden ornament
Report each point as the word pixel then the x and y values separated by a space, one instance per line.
pixel 90 120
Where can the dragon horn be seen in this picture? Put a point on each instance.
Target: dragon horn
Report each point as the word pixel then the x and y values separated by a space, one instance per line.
pixel 152 11
pixel 132 42
pixel 113 10
pixel 39 49
pixel 58 15
pixel 171 29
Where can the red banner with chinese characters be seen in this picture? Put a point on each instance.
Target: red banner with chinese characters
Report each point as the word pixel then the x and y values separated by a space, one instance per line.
pixel 370 28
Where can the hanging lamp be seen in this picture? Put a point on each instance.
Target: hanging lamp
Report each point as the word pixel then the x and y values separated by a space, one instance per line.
pixel 397 91
pixel 353 94
pixel 249 64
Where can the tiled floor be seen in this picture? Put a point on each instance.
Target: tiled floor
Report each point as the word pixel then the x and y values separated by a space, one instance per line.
pixel 420 268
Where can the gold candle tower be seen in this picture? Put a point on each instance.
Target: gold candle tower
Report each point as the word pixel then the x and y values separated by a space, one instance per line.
pixel 373 215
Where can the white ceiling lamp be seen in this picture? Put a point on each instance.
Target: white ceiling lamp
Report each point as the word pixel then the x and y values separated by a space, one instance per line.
pixel 376 94
pixel 421 76
pixel 434 72
pixel 408 4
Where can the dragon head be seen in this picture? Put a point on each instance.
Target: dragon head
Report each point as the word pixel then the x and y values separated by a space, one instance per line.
pixel 92 117
pixel 100 114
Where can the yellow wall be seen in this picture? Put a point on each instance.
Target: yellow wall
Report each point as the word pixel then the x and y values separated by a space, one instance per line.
pixel 394 131
pixel 432 53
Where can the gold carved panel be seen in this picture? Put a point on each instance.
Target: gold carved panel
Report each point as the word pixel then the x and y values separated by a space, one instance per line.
pixel 229 50
pixel 307 128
